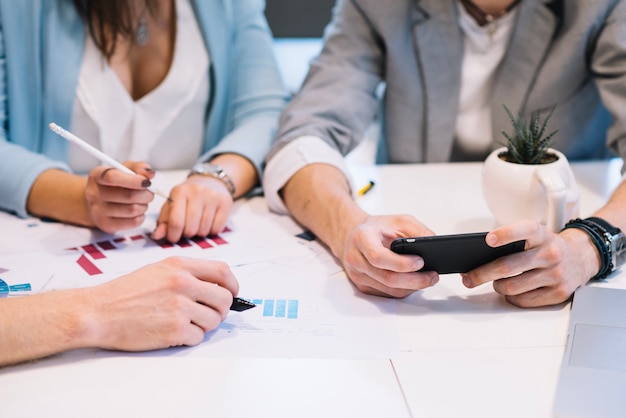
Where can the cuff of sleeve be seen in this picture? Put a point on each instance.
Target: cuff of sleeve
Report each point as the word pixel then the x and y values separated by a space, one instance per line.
pixel 299 153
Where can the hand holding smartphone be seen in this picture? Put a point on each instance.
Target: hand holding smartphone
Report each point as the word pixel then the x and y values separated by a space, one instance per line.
pixel 457 253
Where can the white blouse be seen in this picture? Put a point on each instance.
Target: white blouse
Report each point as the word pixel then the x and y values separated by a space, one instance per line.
pixel 164 127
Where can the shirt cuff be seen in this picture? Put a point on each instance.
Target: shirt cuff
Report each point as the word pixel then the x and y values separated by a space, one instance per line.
pixel 293 157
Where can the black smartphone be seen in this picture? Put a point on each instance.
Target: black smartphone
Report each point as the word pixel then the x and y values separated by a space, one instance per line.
pixel 457 253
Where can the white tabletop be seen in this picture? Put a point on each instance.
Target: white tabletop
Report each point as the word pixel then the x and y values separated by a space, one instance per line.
pixel 461 352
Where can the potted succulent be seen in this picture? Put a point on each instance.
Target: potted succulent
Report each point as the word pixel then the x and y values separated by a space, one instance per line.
pixel 528 143
pixel 527 178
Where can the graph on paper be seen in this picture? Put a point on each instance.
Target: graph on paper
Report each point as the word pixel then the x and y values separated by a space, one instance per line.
pixel 278 308
pixel 101 260
pixel 92 254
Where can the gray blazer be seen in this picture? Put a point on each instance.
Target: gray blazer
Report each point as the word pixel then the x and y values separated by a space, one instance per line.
pixel 568 53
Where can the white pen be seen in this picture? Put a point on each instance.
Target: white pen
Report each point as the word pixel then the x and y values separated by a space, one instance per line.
pixel 94 152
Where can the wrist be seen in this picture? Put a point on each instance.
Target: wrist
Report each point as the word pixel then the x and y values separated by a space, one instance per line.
pixel 587 254
pixel 344 228
pixel 88 329
pixel 216 172
pixel 608 240
pixel 209 182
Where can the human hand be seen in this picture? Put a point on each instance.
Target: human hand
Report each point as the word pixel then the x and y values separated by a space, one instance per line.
pixel 377 270
pixel 116 200
pixel 199 206
pixel 170 303
pixel 548 272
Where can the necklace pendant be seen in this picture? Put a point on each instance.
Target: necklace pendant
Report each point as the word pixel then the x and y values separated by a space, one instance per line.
pixel 492 26
pixel 142 33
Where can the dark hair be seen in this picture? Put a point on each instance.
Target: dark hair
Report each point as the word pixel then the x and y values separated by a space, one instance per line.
pixel 108 19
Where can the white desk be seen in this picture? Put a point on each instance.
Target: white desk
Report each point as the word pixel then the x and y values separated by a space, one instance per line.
pixel 463 352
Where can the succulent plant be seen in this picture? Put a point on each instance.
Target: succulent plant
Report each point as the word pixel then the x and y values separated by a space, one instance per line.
pixel 529 142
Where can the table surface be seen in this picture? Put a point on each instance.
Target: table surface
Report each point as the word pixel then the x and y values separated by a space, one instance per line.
pixel 461 352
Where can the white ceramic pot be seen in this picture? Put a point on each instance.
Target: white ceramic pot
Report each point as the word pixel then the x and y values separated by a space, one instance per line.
pixel 546 193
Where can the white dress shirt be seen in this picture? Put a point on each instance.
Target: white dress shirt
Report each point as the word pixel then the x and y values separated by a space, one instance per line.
pixel 484 49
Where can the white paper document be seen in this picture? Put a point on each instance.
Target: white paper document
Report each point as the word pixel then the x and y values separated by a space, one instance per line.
pixel 300 313
pixel 306 306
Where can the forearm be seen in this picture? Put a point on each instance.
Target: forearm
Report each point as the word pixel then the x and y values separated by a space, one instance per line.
pixel 59 195
pixel 587 252
pixel 318 196
pixel 41 325
pixel 613 212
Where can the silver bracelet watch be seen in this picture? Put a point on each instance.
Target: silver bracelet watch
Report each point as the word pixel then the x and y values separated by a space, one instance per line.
pixel 212 170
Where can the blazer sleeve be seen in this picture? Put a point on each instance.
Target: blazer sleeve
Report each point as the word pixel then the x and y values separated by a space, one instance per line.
pixel 338 99
pixel 257 93
pixel 608 64
pixel 19 166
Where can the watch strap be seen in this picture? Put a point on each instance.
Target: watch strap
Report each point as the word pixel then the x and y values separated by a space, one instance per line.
pixel 605 225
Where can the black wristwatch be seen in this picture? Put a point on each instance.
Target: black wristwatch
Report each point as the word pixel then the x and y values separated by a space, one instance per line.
pixel 609 241
pixel 212 170
pixel 615 240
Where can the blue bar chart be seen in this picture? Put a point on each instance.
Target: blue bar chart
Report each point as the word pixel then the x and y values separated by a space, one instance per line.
pixel 278 308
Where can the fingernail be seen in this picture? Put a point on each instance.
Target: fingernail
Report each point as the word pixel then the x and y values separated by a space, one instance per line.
pixel 434 280
pixel 418 264
pixel 149 169
pixel 146 183
pixel 491 239
pixel 466 280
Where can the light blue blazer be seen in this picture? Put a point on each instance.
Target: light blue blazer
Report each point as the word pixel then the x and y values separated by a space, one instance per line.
pixel 41 47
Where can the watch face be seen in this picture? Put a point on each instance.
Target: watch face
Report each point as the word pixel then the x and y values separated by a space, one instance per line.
pixel 206 169
pixel 619 249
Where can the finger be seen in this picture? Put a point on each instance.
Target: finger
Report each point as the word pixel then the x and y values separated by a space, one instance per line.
pixel 193 216
pixel 391 293
pixel 511 265
pixel 540 297
pixel 396 285
pixel 220 217
pixel 207 317
pixel 206 224
pixel 534 234
pixel 409 281
pixel 404 226
pixel 388 281
pixel 112 225
pixel 120 210
pixel 161 229
pixel 108 176
pixel 377 255
pixel 176 218
pixel 522 283
pixel 121 195
pixel 193 334
pixel 142 168
pixel 214 298
pixel 208 271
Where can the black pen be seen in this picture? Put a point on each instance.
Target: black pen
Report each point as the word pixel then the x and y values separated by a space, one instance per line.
pixel 240 305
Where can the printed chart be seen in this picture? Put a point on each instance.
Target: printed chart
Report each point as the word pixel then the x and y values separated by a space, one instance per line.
pixel 91 254
pixel 301 312
pixel 104 259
